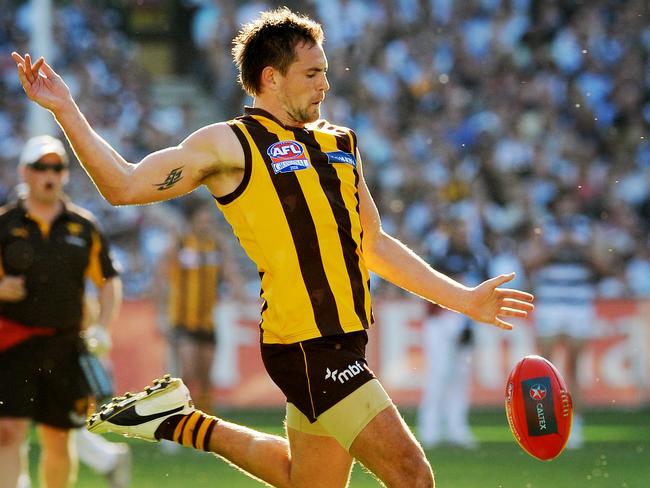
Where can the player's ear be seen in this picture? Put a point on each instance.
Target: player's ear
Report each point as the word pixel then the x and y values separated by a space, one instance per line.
pixel 269 78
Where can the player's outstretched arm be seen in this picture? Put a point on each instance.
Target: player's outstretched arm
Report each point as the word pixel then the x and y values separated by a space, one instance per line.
pixel 161 175
pixel 393 261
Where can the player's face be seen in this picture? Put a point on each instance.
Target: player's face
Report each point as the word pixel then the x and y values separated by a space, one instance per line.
pixel 45 178
pixel 302 89
pixel 203 221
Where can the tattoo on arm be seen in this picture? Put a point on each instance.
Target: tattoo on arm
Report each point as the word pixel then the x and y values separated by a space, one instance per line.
pixel 172 178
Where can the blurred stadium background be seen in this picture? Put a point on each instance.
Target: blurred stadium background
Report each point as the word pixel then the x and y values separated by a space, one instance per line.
pixel 483 110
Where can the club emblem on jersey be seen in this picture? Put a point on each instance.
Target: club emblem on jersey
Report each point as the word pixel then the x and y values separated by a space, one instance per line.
pixel 287 156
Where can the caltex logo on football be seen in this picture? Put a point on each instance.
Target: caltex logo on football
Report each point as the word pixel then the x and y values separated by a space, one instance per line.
pixel 537 392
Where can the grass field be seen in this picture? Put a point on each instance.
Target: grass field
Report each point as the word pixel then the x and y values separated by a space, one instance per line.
pixel 616 455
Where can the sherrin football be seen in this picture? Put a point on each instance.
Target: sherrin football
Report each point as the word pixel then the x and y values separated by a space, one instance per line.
pixel 538 407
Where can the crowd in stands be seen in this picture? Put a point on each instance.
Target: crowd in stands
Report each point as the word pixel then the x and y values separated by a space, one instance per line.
pixel 485 110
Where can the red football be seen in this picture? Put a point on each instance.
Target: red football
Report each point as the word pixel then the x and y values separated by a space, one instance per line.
pixel 538 407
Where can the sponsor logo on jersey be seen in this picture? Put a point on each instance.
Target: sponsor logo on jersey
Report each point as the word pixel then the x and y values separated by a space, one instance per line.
pixel 287 156
pixel 346 374
pixel 341 157
pixel 540 412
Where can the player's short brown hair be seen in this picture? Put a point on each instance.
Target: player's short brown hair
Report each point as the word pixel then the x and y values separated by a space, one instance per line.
pixel 270 40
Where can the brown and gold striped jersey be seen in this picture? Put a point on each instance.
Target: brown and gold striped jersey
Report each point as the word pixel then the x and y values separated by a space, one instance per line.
pixel 194 273
pixel 296 214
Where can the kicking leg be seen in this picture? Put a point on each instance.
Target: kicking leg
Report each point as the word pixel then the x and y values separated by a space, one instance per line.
pixel 305 460
pixel 165 411
pixel 387 447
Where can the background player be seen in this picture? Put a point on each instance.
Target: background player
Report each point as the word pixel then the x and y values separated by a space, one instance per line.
pixel 192 272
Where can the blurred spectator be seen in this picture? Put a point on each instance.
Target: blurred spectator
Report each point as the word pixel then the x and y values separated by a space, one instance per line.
pixel 443 414
pixel 637 270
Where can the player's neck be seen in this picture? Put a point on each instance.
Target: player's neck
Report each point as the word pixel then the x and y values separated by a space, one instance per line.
pixel 269 105
pixel 43 210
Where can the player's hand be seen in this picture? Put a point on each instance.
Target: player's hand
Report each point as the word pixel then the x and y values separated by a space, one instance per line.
pixel 98 339
pixel 40 82
pixel 12 288
pixel 488 303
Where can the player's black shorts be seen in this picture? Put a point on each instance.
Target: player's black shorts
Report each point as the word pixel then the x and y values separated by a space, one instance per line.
pixel 196 335
pixel 316 374
pixel 41 379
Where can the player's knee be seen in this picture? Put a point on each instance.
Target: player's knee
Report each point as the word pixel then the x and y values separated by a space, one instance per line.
pixel 412 469
pixel 11 434
pixel 418 473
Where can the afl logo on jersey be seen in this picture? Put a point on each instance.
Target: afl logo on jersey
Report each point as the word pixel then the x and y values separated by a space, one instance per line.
pixel 287 156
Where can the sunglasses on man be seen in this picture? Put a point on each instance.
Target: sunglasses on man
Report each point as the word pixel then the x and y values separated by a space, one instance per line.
pixel 42 167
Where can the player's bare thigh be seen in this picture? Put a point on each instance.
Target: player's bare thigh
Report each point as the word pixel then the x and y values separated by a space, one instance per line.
pixel 387 447
pixel 367 425
pixel 317 461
